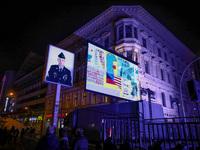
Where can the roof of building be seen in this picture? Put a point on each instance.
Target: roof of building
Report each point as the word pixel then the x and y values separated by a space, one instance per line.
pixel 32 62
pixel 142 16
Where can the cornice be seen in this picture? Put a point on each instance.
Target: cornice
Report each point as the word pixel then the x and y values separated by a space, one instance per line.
pixel 159 30
pixel 143 17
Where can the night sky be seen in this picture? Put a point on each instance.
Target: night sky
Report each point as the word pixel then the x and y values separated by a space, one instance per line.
pixel 31 26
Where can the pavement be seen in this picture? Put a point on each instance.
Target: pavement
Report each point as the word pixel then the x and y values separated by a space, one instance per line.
pixel 17 146
pixel 28 144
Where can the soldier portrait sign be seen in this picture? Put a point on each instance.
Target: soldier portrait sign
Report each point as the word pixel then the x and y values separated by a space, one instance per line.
pixel 59 67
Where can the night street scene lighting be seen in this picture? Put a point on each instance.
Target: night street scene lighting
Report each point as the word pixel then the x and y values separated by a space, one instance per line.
pixel 118 74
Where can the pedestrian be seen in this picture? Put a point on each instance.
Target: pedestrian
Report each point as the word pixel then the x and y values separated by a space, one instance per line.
pixel 26 131
pixel 48 141
pixel 81 140
pixel 4 136
pixel 108 144
pixel 11 134
pixel 16 133
pixel 64 142
pixel 126 144
pixel 22 135
pixel 32 131
pixel 156 145
pixel 179 146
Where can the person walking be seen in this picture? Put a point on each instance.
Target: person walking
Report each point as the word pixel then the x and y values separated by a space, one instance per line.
pixel 108 144
pixel 4 136
pixel 64 142
pixel 81 140
pixel 16 133
pixel 22 135
pixel 48 141
pixel 11 135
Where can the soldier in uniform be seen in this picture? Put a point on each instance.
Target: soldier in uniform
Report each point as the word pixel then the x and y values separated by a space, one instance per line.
pixel 59 73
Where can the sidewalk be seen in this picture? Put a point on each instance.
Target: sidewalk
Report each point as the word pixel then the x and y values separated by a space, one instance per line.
pixel 28 144
pixel 17 146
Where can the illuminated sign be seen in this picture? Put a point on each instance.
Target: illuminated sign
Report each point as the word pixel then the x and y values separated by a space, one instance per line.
pixel 59 67
pixel 47 116
pixel 111 74
pixel 33 119
pixel 39 118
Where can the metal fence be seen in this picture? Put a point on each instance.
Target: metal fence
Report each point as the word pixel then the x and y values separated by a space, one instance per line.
pixel 122 128
pixel 172 130
pixel 141 132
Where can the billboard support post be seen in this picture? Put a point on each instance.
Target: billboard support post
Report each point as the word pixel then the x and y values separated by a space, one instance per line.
pixel 56 108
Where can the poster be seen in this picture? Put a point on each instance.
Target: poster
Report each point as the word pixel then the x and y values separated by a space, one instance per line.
pixel 59 67
pixel 110 74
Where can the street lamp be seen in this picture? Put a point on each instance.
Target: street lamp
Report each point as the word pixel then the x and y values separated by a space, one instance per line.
pixel 11 93
pixel 183 107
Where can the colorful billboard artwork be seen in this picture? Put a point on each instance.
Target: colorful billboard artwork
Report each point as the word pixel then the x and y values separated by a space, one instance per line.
pixel 110 74
pixel 59 67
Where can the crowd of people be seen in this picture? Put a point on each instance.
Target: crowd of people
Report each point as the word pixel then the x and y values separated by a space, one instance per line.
pixel 78 142
pixel 13 135
pixel 50 142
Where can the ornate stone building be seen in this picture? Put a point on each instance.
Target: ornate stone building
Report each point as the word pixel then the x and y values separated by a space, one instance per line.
pixel 134 33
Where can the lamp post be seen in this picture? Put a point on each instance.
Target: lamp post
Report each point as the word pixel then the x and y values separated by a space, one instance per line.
pixel 183 107
pixel 176 101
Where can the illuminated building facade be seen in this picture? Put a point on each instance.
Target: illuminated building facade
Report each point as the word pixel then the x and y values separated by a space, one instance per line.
pixel 132 32
pixel 30 92
pixel 7 97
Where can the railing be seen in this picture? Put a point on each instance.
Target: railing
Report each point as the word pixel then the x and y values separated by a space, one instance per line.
pixel 29 142
pixel 173 130
pixel 141 133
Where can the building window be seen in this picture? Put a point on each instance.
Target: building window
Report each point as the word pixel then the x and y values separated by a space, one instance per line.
pixel 193 75
pixel 162 74
pixel 135 33
pixel 106 42
pixel 172 61
pixel 78 56
pixel 159 52
pixel 94 99
pixel 163 99
pixel 168 76
pixel 84 98
pixel 128 30
pixel 175 80
pixel 61 102
pixel 144 42
pixel 105 99
pixel 146 63
pixel 120 32
pixel 165 56
pixel 75 100
pixel 129 54
pixel 178 65
pixel 77 76
pixel 68 101
pixel 171 101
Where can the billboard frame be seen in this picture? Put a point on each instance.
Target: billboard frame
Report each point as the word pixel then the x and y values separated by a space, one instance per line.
pixel 115 53
pixel 45 72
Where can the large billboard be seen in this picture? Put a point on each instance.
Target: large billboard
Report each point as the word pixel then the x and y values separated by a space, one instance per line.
pixel 111 74
pixel 59 66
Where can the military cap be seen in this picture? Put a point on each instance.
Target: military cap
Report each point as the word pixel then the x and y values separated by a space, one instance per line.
pixel 61 55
